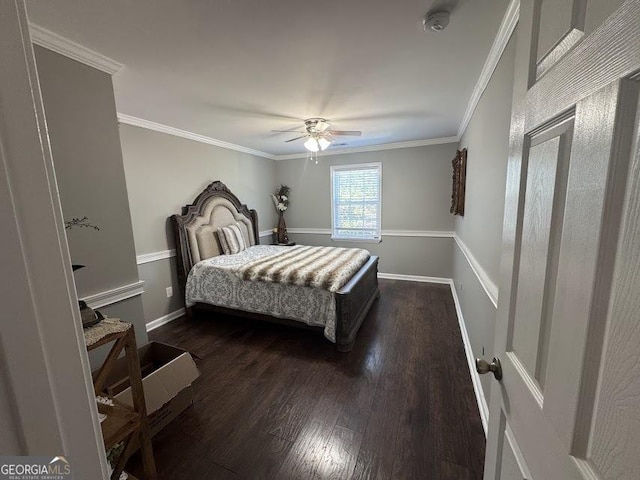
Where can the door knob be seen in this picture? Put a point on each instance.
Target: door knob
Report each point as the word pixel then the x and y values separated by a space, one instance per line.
pixel 482 367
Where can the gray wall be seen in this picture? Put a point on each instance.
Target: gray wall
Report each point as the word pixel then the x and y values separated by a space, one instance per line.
pixel 83 132
pixel 487 141
pixel 165 172
pixel 416 194
pixel 11 442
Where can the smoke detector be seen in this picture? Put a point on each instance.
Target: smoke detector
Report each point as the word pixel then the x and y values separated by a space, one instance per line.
pixel 435 21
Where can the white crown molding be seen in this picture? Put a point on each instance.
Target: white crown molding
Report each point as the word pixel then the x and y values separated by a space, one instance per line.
pixel 158 322
pixel 154 256
pixel 507 26
pixel 48 39
pixel 468 350
pixel 413 278
pixel 375 148
pixel 115 295
pixel 488 285
pixel 159 127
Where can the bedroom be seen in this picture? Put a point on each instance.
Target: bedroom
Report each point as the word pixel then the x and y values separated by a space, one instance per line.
pixel 140 122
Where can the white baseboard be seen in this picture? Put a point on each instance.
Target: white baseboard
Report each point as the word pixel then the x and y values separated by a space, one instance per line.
pixel 475 377
pixel 158 322
pixel 413 278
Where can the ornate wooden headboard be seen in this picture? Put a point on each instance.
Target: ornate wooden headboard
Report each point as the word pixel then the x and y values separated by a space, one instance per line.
pixel 195 230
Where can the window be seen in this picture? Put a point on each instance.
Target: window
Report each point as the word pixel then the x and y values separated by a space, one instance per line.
pixel 356 199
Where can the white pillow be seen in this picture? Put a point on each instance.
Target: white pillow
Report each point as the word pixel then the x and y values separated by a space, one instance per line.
pixel 231 239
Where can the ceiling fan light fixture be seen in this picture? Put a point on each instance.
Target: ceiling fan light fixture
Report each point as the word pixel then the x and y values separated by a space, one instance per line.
pixel 323 143
pixel 312 144
pixel 321 126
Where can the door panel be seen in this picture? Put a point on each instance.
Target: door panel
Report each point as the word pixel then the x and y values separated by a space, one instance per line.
pixel 512 465
pixel 561 26
pixel 582 282
pixel 568 404
pixel 546 179
pixel 615 437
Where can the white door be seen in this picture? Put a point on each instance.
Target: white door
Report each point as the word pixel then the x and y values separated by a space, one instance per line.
pixel 568 327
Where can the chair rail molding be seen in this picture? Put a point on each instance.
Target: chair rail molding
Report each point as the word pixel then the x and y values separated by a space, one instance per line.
pixel 155 256
pixel 489 286
pixel 385 233
pixel 164 254
pixel 115 295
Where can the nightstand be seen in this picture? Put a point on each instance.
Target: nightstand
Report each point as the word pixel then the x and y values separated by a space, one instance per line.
pixel 290 244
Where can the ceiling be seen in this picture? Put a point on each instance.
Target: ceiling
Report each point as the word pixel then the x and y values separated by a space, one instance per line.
pixel 235 70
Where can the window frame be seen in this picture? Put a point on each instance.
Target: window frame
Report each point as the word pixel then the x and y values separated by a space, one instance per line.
pixel 357 166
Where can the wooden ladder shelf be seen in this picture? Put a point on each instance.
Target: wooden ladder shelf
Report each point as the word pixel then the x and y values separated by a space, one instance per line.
pixel 123 423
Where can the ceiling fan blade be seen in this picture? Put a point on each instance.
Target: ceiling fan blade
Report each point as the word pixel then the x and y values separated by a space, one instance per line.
pixel 288 131
pixel 294 139
pixel 346 133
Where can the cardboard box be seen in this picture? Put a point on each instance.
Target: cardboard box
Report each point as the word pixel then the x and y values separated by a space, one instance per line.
pixel 167 375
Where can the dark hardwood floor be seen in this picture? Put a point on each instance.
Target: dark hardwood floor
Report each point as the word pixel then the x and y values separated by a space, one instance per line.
pixel 277 402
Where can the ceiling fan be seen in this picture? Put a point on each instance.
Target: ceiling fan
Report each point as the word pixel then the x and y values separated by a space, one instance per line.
pixel 319 134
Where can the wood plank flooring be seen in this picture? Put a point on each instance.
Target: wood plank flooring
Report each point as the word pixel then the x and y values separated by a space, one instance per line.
pixel 276 402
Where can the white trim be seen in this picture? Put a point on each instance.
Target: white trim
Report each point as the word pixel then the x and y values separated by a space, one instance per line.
pixel 310 231
pixel 507 26
pixel 468 350
pixel 170 317
pixel 159 127
pixel 164 254
pixel 487 284
pixel 374 148
pixel 385 233
pixel 154 256
pixel 418 233
pixel 48 39
pixel 115 295
pixel 413 278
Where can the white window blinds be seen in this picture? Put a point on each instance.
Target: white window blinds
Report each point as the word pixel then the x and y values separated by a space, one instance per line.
pixel 356 196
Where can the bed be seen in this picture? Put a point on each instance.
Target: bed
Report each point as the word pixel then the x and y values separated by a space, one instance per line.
pixel 210 279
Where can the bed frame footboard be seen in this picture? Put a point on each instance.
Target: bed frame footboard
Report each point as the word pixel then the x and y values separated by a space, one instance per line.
pixel 353 302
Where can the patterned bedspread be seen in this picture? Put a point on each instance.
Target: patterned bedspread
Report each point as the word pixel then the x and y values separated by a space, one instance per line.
pixel 215 281
pixel 328 268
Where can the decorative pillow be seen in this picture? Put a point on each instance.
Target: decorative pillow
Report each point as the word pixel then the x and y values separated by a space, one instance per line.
pixel 231 239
